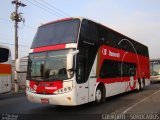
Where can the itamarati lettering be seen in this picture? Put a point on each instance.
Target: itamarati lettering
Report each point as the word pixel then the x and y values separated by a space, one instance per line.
pixel 113 54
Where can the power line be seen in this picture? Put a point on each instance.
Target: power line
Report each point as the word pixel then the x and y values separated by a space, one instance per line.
pixel 44 8
pixel 49 8
pixel 58 10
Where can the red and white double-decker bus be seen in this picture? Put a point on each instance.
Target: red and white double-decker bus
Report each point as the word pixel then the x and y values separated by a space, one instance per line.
pixel 75 61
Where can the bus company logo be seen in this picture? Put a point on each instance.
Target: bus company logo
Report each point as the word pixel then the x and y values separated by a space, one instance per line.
pixel 114 54
pixel 51 88
pixel 104 51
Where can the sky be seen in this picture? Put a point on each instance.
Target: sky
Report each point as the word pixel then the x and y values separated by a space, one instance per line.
pixel 137 19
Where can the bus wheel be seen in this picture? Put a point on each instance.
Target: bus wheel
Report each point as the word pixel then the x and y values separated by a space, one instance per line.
pixel 139 85
pixel 143 83
pixel 100 95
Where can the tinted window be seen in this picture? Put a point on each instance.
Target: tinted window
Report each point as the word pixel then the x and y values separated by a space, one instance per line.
pixel 109 69
pixel 81 69
pixel 89 31
pixel 82 66
pixel 56 33
pixel 102 35
pixel 4 54
pixel 113 38
pixel 127 69
pixel 88 46
pixel 96 33
pixel 113 69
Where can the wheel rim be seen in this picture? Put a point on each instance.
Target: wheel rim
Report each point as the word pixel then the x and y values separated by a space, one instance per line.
pixel 142 85
pixel 98 95
pixel 138 86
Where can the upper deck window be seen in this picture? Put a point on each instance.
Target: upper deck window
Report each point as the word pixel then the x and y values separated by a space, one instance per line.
pixel 57 33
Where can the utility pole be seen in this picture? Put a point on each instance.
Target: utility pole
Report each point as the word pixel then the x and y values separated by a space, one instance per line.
pixel 15 16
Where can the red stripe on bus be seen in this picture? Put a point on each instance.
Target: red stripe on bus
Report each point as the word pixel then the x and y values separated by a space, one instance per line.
pixel 47 48
pixel 120 79
pixel 5 69
pixel 113 80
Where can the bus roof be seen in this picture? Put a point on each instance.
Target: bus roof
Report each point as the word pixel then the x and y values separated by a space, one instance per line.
pixel 60 20
pixel 4 46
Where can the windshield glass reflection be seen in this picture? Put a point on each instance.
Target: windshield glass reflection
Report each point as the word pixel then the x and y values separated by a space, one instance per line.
pixel 48 65
pixel 155 69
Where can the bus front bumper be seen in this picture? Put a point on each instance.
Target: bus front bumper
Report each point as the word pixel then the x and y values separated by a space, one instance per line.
pixel 66 99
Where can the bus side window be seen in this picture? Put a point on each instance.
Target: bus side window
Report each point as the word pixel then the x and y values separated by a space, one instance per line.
pixel 89 31
pixel 132 70
pixel 80 69
pixel 85 32
pixel 93 32
pixel 102 35
pixel 128 69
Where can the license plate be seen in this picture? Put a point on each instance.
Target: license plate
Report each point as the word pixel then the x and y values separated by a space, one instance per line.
pixel 45 101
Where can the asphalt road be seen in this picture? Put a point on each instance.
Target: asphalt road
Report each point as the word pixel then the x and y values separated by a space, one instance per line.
pixel 131 105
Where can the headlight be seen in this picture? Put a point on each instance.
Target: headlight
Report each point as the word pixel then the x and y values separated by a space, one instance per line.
pixel 64 90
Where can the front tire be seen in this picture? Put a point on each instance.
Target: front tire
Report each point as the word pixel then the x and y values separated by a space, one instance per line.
pixel 143 83
pixel 99 95
pixel 139 85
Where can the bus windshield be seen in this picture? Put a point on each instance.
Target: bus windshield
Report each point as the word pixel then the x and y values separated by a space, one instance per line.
pixel 155 68
pixel 56 33
pixel 48 66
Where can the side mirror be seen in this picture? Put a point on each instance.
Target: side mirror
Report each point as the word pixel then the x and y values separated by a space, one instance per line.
pixel 70 59
pixel 21 65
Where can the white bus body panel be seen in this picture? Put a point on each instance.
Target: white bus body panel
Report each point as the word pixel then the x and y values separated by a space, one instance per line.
pixel 5 79
pixel 5 83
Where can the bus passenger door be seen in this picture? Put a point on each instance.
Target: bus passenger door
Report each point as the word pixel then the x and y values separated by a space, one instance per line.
pixel 82 82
